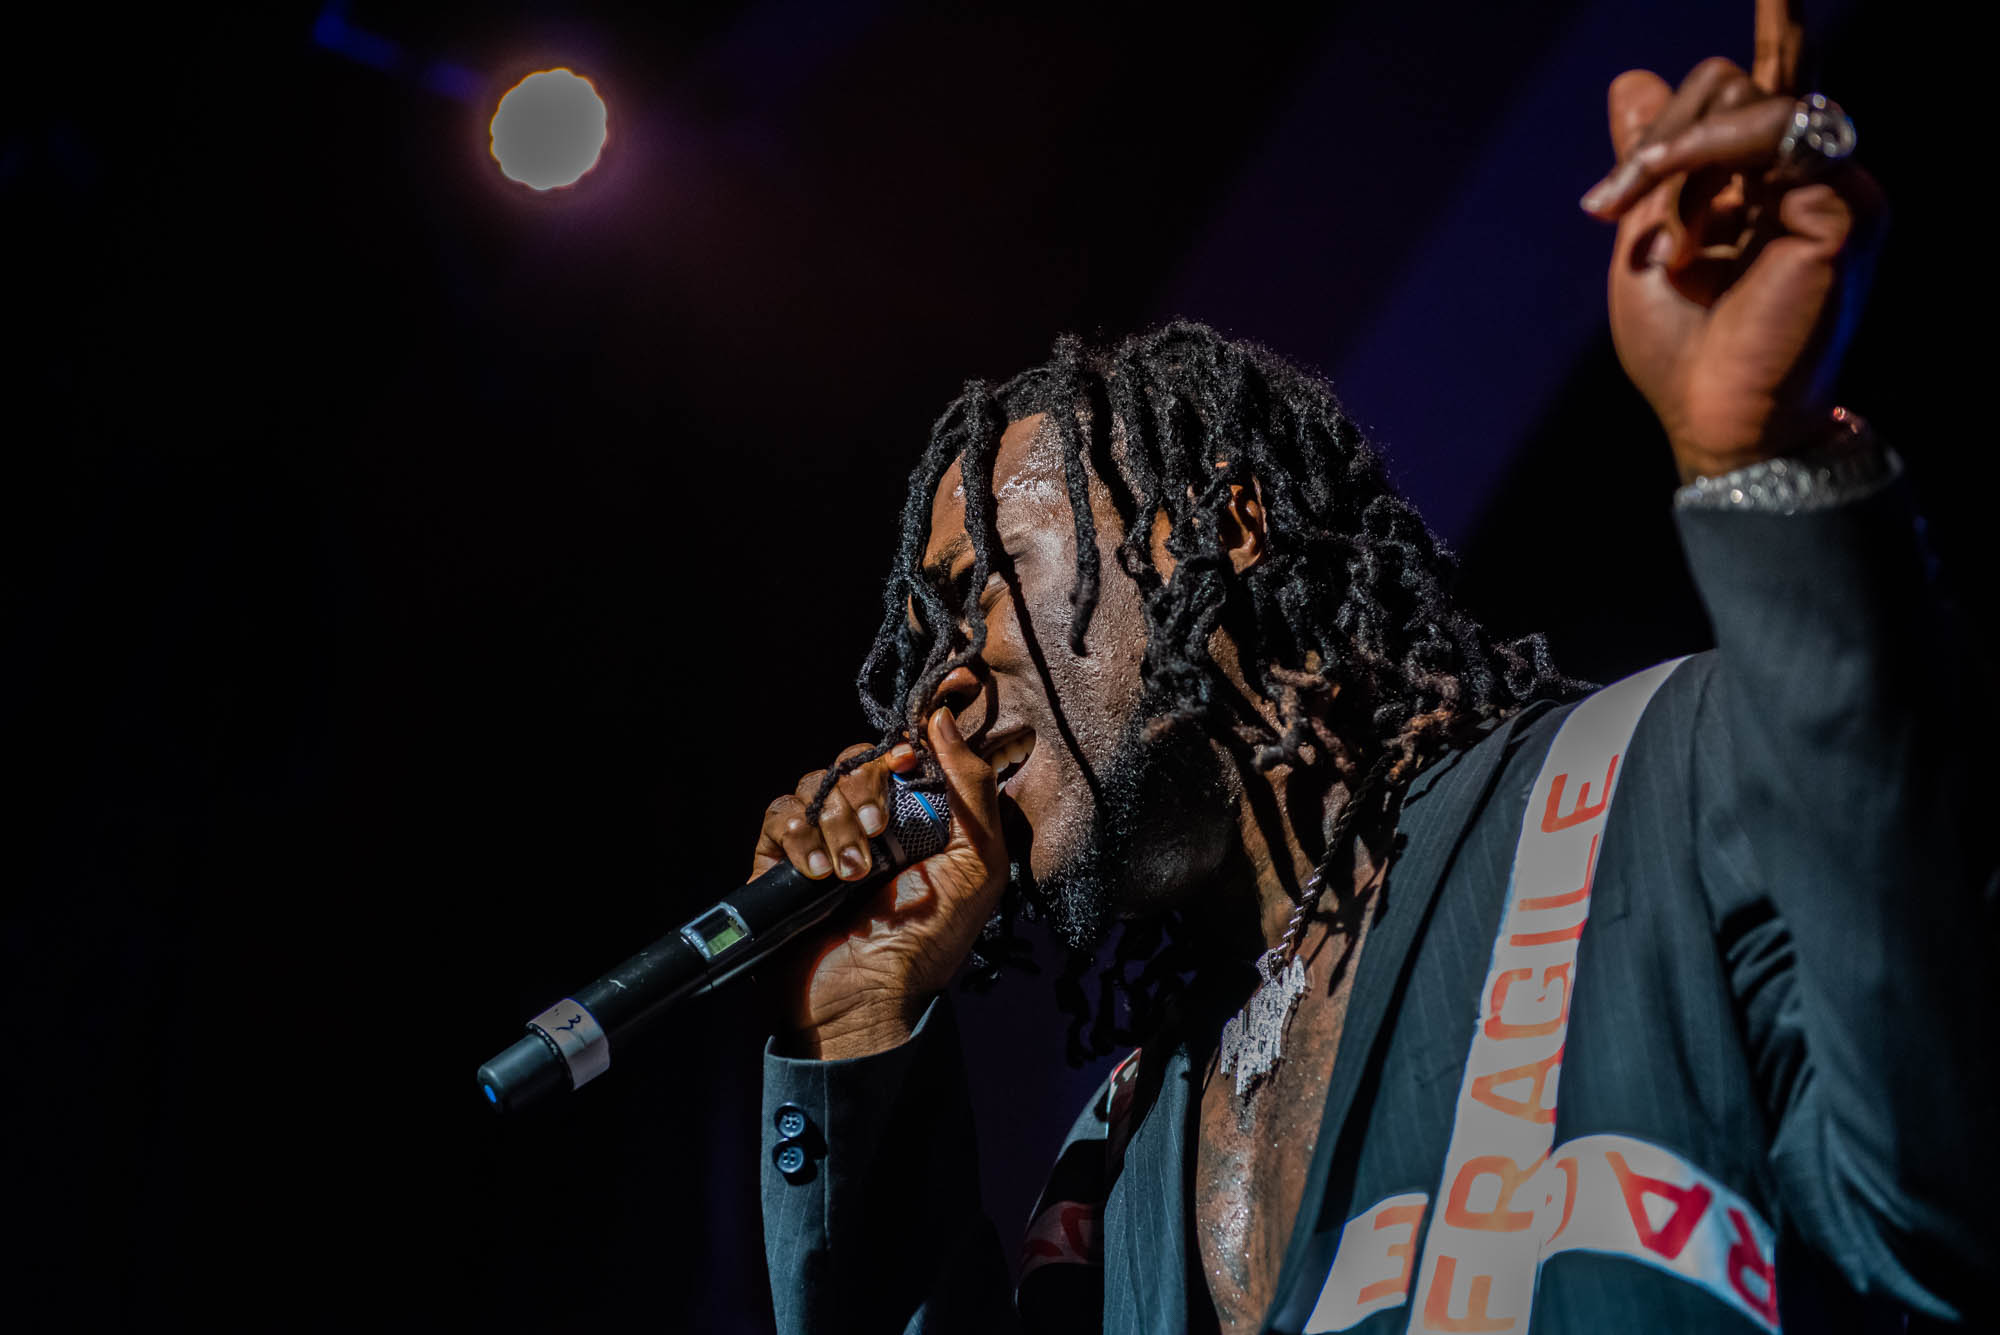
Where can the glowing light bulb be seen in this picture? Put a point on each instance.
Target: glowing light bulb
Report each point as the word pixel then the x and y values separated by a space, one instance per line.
pixel 549 129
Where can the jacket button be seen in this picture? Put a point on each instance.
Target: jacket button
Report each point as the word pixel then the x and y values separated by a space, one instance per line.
pixel 790 1157
pixel 792 1121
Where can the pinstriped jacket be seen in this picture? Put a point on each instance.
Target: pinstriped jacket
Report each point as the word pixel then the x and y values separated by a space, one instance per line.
pixel 1774 1084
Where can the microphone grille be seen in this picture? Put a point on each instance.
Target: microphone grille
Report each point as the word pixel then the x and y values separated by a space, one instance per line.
pixel 921 821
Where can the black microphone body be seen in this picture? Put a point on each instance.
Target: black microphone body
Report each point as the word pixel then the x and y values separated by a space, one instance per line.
pixel 571 1041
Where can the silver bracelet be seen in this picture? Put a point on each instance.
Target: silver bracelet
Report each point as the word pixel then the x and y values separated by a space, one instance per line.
pixel 1847 466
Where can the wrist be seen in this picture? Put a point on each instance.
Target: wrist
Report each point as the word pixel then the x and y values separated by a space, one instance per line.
pixel 1835 431
pixel 1839 463
pixel 861 1032
pixel 1694 464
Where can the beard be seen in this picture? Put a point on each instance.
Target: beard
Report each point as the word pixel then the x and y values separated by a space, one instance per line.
pixel 1154 825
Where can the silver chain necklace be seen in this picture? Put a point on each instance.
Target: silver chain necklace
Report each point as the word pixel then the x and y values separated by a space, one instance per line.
pixel 1254 1038
pixel 1253 1041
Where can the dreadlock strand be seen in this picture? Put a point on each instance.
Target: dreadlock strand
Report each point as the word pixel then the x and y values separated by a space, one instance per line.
pixel 1073 398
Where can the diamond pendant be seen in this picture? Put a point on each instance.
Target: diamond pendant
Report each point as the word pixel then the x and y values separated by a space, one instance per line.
pixel 1254 1038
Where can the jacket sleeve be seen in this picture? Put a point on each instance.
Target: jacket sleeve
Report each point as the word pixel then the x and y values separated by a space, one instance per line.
pixel 880 1228
pixel 1839 775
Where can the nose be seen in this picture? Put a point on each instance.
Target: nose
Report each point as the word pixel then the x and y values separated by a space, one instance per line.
pixel 959 692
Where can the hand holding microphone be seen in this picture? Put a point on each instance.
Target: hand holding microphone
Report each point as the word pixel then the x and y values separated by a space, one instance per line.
pixel 863 988
pixel 861 985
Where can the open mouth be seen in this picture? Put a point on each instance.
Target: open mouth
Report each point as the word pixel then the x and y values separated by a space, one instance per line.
pixel 1010 753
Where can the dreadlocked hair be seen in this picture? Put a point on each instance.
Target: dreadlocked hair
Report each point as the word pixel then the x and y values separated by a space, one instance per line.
pixel 1345 627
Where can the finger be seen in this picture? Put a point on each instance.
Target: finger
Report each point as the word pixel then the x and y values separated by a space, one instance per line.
pixel 1688 104
pixel 1781 37
pixel 1701 214
pixel 789 835
pixel 866 790
pixel 1826 219
pixel 1635 100
pixel 1733 93
pixel 972 866
pixel 1740 139
pixel 974 795
pixel 973 861
pixel 1706 82
pixel 840 827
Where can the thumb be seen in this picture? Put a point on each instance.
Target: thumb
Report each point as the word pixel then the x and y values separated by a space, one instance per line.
pixel 974 795
pixel 1635 101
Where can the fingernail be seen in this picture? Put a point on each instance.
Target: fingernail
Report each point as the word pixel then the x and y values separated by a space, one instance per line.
pixel 1661 250
pixel 852 862
pixel 946 727
pixel 901 752
pixel 1593 200
pixel 910 888
pixel 871 818
pixel 819 864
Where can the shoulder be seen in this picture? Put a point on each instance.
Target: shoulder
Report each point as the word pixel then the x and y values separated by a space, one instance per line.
pixel 1670 696
pixel 1462 779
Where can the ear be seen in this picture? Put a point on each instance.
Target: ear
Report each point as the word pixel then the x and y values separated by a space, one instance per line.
pixel 1241 526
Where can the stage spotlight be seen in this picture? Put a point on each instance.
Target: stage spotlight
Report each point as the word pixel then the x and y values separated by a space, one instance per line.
pixel 548 129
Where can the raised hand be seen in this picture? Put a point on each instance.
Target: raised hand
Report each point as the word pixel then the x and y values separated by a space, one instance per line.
pixel 1733 280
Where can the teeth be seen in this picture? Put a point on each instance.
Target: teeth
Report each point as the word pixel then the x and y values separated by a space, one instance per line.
pixel 1014 753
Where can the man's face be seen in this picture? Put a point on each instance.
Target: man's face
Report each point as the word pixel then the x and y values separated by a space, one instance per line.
pixel 1115 825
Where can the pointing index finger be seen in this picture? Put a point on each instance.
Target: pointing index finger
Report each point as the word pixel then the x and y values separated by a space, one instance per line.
pixel 1781 37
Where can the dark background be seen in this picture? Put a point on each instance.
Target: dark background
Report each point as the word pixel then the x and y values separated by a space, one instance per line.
pixel 417 586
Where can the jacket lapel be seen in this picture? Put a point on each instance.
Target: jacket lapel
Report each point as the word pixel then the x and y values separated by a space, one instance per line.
pixel 1146 1276
pixel 1437 812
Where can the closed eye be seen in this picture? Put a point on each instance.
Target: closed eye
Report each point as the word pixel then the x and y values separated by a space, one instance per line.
pixel 955 588
pixel 957 592
pixel 952 590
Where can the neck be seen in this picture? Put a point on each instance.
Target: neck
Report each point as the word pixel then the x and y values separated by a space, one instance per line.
pixel 1283 816
pixel 1282 820
pixel 1284 854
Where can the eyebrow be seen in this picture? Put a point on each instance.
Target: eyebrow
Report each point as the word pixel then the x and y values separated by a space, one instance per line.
pixel 938 568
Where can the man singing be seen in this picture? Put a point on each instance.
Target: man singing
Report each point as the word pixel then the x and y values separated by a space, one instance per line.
pixel 1467 999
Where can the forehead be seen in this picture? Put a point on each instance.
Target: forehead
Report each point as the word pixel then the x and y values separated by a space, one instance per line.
pixel 1027 479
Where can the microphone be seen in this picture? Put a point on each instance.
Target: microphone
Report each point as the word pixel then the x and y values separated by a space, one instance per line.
pixel 570 1042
